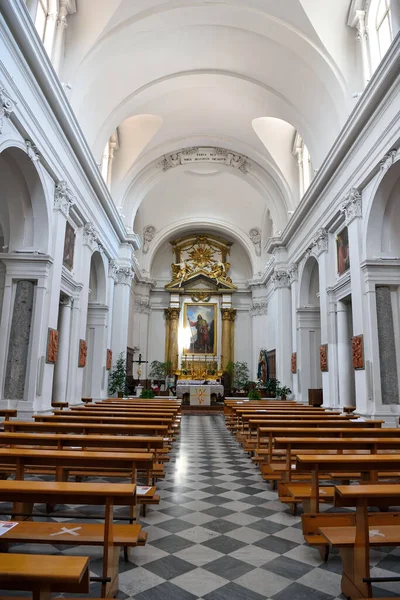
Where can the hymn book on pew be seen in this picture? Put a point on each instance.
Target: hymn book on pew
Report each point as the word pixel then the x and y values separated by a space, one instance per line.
pixel 6 526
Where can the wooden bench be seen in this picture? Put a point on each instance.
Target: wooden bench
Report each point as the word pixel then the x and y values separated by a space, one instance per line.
pixel 367 465
pixel 293 446
pixel 7 413
pixel 354 542
pixel 43 575
pixel 86 428
pixel 110 536
pixel 65 461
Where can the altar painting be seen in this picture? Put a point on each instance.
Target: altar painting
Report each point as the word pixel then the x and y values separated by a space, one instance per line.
pixel 343 255
pixel 200 319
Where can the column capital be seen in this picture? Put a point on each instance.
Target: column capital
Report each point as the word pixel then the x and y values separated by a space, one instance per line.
pixel 280 279
pixel 258 308
pixel 7 106
pixel 293 272
pixel 141 304
pixel 124 276
pixel 388 160
pixel 352 205
pixel 63 198
pixel 228 314
pixel 112 269
pixel 90 236
pixel 32 151
pixel 320 242
pixel 362 32
pixel 172 313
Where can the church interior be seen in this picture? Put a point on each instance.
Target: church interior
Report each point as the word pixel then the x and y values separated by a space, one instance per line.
pixel 200 299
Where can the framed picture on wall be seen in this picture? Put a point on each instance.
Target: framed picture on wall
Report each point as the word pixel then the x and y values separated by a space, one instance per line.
pixel 342 249
pixel 201 321
pixel 69 247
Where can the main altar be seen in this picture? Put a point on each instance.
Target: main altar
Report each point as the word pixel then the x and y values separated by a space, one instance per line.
pixel 200 319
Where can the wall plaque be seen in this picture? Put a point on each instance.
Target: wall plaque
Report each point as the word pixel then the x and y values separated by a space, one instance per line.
pixel 294 362
pixel 52 346
pixel 109 359
pixel 323 357
pixel 357 349
pixel 82 353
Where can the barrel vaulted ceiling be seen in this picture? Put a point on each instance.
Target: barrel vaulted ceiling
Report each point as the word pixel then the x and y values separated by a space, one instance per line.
pixel 175 74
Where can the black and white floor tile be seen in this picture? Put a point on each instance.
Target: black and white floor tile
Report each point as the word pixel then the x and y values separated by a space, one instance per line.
pixel 220 533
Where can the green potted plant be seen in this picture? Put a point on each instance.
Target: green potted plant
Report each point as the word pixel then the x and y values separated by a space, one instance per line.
pixel 283 391
pixel 147 394
pixel 271 386
pixel 159 370
pixel 254 394
pixel 241 375
pixel 117 377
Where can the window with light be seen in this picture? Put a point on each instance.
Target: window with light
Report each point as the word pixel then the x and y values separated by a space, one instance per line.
pixel 42 12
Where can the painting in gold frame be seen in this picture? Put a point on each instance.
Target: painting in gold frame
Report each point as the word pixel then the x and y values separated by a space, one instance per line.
pixel 201 320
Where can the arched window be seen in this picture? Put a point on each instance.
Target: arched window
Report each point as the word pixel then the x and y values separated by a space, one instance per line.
pixel 384 26
pixel 306 172
pixel 380 33
pixel 42 13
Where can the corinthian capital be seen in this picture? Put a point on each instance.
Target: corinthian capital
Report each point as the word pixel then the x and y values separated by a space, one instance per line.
pixel 280 279
pixel 63 198
pixel 90 236
pixel 320 242
pixel 7 106
pixel 352 206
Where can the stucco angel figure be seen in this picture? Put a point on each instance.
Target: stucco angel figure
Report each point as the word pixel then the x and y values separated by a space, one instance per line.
pixel 181 271
pixel 219 270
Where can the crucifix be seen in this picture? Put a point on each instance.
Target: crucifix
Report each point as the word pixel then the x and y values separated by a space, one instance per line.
pixel 139 363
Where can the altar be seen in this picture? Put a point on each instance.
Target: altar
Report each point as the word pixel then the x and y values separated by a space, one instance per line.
pixel 191 389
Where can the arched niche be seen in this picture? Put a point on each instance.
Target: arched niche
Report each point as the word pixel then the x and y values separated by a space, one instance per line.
pixel 23 211
pixel 309 329
pixel 97 281
pixel 382 232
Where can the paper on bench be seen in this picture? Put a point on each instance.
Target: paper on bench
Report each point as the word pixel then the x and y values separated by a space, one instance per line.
pixel 6 526
pixel 142 489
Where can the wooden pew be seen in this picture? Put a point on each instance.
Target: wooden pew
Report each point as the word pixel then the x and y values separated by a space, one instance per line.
pixel 368 465
pixel 86 428
pixel 64 461
pixel 7 413
pixel 370 531
pixel 110 536
pixel 43 575
pixel 293 446
pixel 91 442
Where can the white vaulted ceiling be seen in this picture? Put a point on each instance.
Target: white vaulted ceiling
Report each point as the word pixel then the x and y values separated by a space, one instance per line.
pixel 174 74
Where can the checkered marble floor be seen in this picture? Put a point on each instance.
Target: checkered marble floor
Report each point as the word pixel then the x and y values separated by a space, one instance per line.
pixel 220 533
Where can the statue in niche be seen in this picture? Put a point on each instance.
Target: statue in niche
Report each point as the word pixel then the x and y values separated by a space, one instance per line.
pixel 255 236
pixel 148 234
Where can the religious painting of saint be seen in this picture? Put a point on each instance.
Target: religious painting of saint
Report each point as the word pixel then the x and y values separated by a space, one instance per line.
pixel 200 319
pixel 69 246
pixel 342 246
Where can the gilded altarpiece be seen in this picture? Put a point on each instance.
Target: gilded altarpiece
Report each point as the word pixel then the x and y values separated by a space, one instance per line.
pixel 202 286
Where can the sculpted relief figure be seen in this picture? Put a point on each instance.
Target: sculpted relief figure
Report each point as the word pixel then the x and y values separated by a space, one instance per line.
pixel 148 234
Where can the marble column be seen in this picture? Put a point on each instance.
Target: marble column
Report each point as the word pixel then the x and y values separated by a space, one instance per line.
pixel 173 337
pixel 66 7
pixel 281 283
pixel 18 345
pixel 362 37
pixel 345 366
pixel 61 366
pixel 122 287
pixel 352 209
pixel 387 347
pixel 232 333
pixel 167 333
pixel 96 355
pixel 226 343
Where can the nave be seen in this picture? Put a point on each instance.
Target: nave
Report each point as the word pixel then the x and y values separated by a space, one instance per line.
pixel 220 533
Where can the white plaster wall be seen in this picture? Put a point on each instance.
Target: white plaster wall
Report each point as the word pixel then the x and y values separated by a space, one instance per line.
pixel 156 350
